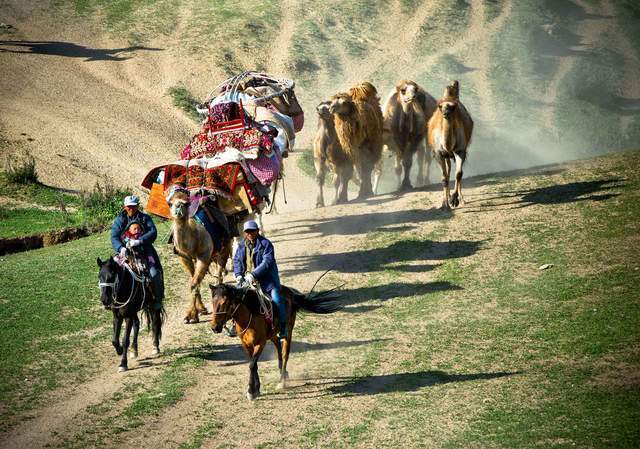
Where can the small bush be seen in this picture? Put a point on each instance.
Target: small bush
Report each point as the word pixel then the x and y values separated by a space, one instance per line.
pixel 102 203
pixel 21 169
pixel 183 99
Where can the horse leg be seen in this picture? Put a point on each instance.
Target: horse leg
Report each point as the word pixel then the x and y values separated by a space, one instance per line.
pixel 253 390
pixel 125 345
pixel 456 196
pixel 187 264
pixel 443 161
pixel 134 343
pixel 115 340
pixel 156 328
pixel 286 349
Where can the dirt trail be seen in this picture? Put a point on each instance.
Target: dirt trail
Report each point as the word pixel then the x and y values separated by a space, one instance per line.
pixel 282 42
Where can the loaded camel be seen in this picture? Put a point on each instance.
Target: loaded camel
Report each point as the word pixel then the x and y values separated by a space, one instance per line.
pixel 358 125
pixel 195 249
pixel 449 135
pixel 406 112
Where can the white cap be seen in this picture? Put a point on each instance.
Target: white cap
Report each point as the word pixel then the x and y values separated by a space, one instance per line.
pixel 250 225
pixel 131 200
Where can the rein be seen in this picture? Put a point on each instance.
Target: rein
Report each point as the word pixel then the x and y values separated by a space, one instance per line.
pixel 136 279
pixel 234 312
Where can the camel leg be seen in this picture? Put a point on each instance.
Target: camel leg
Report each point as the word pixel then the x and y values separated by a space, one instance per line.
pixel 345 174
pixel 444 167
pixel 407 162
pixel 364 172
pixel 398 169
pixel 200 271
pixel 456 197
pixel 377 174
pixel 424 162
pixel 187 264
pixel 321 169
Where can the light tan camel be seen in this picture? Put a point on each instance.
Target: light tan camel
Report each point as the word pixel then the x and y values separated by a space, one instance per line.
pixel 358 123
pixel 328 154
pixel 195 248
pixel 449 135
pixel 406 112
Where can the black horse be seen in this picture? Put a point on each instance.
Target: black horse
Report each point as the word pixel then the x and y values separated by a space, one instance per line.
pixel 126 292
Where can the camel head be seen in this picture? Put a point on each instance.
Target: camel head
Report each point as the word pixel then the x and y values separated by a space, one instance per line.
pixel 407 91
pixel 447 107
pixel 323 110
pixel 178 199
pixel 341 104
pixel 452 90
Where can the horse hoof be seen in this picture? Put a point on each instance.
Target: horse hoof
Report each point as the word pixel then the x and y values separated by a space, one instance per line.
pixel 122 369
pixel 156 351
pixel 250 396
pixel 281 385
pixel 133 354
pixel 186 320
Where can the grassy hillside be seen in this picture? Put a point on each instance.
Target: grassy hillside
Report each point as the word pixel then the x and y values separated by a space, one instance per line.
pixel 451 335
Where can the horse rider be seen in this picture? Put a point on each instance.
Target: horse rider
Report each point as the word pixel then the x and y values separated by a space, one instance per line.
pixel 130 214
pixel 255 261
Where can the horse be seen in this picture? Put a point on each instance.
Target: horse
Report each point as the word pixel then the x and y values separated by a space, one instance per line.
pixel 253 327
pixel 126 292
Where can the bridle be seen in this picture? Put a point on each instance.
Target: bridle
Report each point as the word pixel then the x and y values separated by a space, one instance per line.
pixel 115 289
pixel 231 315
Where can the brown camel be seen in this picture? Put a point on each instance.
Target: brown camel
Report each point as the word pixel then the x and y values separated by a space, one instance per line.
pixel 194 247
pixel 358 123
pixel 406 112
pixel 328 154
pixel 449 135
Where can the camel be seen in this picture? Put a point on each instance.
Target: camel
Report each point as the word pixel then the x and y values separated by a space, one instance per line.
pixel 406 112
pixel 327 153
pixel 194 246
pixel 449 135
pixel 358 124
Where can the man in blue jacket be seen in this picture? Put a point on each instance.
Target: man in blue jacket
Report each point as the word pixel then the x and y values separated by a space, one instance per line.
pixel 129 214
pixel 255 260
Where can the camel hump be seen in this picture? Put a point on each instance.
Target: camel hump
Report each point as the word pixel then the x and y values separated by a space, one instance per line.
pixel 364 91
pixel 452 91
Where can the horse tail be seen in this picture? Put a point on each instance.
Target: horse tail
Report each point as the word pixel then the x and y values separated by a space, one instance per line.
pixel 321 302
pixel 150 316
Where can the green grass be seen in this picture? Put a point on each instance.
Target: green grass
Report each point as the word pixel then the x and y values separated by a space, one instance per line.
pixel 183 99
pixel 21 222
pixel 52 316
pixel 36 193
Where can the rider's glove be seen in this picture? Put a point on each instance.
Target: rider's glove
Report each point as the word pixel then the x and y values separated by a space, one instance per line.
pixel 123 252
pixel 134 242
pixel 239 281
pixel 250 279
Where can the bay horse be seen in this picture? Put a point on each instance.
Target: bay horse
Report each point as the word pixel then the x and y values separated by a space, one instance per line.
pixel 254 330
pixel 125 293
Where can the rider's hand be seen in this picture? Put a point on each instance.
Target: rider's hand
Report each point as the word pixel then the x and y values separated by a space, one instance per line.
pixel 250 279
pixel 123 253
pixel 134 242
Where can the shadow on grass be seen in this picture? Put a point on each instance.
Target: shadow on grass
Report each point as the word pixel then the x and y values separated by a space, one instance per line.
pixel 234 354
pixel 390 291
pixel 358 224
pixel 371 385
pixel 558 194
pixel 376 259
pixel 70 50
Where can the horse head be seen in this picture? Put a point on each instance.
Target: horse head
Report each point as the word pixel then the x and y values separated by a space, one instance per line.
pixel 223 299
pixel 108 281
